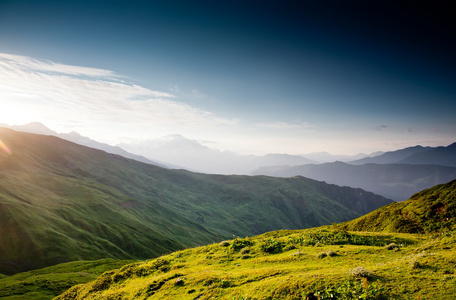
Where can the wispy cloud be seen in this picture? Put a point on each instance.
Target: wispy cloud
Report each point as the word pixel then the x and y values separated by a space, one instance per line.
pixel 287 126
pixel 16 62
pixel 65 96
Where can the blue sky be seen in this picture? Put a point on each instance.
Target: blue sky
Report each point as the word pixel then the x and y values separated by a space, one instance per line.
pixel 247 76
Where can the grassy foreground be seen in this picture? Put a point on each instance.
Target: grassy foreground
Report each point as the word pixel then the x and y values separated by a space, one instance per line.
pixel 49 282
pixel 325 263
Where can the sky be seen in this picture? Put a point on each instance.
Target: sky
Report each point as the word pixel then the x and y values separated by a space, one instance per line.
pixel 253 77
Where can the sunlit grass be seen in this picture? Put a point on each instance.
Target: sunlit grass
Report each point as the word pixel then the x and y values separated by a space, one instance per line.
pixel 219 271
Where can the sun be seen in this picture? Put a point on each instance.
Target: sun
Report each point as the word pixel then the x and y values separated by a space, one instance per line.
pixel 13 114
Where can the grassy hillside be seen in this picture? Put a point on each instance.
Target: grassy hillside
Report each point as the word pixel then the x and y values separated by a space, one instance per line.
pixel 290 265
pixel 319 263
pixel 431 210
pixel 49 282
pixel 61 202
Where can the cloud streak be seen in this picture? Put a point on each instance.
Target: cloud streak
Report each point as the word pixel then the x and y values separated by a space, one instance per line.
pixel 287 126
pixel 65 96
pixel 106 107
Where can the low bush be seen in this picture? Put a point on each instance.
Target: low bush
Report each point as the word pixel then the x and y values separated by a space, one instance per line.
pixel 224 244
pixel 361 272
pixel 337 237
pixel 238 243
pixel 352 290
pixel 272 246
pixel 414 264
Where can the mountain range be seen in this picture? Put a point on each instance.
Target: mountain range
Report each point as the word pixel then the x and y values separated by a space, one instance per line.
pixel 394 181
pixel 396 175
pixel 418 155
pixel 60 201
pixel 191 155
pixel 177 152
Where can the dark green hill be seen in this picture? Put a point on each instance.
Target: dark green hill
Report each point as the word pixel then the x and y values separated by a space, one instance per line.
pixel 432 210
pixel 46 283
pixel 61 202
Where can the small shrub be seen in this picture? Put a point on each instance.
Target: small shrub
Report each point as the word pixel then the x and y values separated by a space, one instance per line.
pixel 331 253
pixel 238 243
pixel 225 283
pixel 360 272
pixel 414 264
pixel 321 255
pixel 272 246
pixel 352 290
pixel 224 244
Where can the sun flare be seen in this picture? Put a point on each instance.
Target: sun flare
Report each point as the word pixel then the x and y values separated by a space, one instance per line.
pixel 13 114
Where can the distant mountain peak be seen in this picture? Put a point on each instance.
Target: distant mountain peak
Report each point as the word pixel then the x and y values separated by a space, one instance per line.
pixel 34 127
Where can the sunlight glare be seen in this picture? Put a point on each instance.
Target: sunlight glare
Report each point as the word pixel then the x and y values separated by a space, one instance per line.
pixel 5 149
pixel 13 114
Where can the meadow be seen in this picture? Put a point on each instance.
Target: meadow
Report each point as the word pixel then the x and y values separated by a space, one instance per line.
pixel 324 263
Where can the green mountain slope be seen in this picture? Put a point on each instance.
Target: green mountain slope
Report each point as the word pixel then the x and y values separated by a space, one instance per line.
pixel 302 264
pixel 61 202
pixel 47 283
pixel 430 210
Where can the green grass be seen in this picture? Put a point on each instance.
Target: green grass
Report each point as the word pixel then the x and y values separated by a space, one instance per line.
pixel 225 271
pixel 429 211
pixel 325 262
pixel 61 202
pixel 49 282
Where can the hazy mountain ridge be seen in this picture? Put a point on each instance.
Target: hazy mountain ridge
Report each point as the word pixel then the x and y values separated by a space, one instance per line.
pixel 191 155
pixel 391 157
pixel 177 152
pixel 396 174
pixel 394 181
pixel 75 137
pixel 444 156
pixel 60 201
